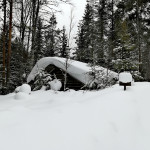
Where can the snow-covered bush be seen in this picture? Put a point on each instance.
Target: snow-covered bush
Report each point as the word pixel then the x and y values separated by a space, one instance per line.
pixel 124 64
pixel 55 85
pixel 41 79
pixel 25 88
pixel 120 65
pixel 137 76
pixel 101 79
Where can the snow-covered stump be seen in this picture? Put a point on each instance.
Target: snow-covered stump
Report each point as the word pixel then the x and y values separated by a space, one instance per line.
pixel 125 79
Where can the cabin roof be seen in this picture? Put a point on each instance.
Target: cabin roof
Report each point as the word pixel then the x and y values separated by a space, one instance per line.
pixel 79 70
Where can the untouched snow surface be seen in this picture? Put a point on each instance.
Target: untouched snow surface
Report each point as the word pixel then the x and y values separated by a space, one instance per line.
pixel 110 119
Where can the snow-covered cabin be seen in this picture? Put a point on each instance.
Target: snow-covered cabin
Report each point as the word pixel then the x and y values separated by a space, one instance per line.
pixel 78 73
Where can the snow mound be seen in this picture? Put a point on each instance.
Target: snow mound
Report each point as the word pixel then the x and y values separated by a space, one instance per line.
pixel 125 77
pixel 21 96
pixel 25 88
pixel 55 85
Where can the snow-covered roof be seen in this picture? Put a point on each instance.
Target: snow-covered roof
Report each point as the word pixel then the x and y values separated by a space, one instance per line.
pixel 76 69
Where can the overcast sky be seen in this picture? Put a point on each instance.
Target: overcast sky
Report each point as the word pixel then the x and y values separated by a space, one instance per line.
pixel 64 17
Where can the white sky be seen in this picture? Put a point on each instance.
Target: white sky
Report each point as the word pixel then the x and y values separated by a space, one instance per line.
pixel 64 17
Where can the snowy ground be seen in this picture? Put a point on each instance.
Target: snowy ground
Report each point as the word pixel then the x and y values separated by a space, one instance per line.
pixel 110 119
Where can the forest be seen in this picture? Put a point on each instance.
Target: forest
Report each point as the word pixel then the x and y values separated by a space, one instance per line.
pixel 112 33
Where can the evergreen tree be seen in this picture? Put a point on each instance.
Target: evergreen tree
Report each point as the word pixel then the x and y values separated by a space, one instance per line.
pixel 16 66
pixel 52 38
pixel 85 35
pixel 64 50
pixel 100 31
pixel 138 15
pixel 80 41
pixel 39 51
pixel 41 79
pixel 124 52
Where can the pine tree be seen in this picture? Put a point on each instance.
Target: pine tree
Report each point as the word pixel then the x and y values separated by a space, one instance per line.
pixel 80 41
pixel 138 19
pixel 39 51
pixel 16 66
pixel 41 79
pixel 100 31
pixel 85 35
pixel 52 38
pixel 124 52
pixel 64 50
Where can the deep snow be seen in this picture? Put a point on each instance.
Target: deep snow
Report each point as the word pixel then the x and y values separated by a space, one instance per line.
pixel 110 119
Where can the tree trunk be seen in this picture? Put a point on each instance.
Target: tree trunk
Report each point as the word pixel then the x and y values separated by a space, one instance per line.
pixel 4 45
pixel 138 37
pixel 112 30
pixel 35 14
pixel 9 42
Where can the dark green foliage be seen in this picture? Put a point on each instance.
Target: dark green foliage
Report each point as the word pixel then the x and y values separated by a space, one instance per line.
pixel 52 38
pixel 101 79
pixel 85 40
pixel 17 66
pixel 39 50
pixel 41 79
pixel 115 34
pixel 63 49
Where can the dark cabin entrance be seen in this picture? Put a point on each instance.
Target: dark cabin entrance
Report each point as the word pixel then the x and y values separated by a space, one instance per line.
pixel 72 83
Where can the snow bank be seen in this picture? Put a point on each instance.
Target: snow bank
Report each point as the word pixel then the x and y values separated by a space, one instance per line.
pixel 125 77
pixel 79 70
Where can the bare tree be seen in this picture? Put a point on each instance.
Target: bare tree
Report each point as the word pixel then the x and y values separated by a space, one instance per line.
pixel 71 27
